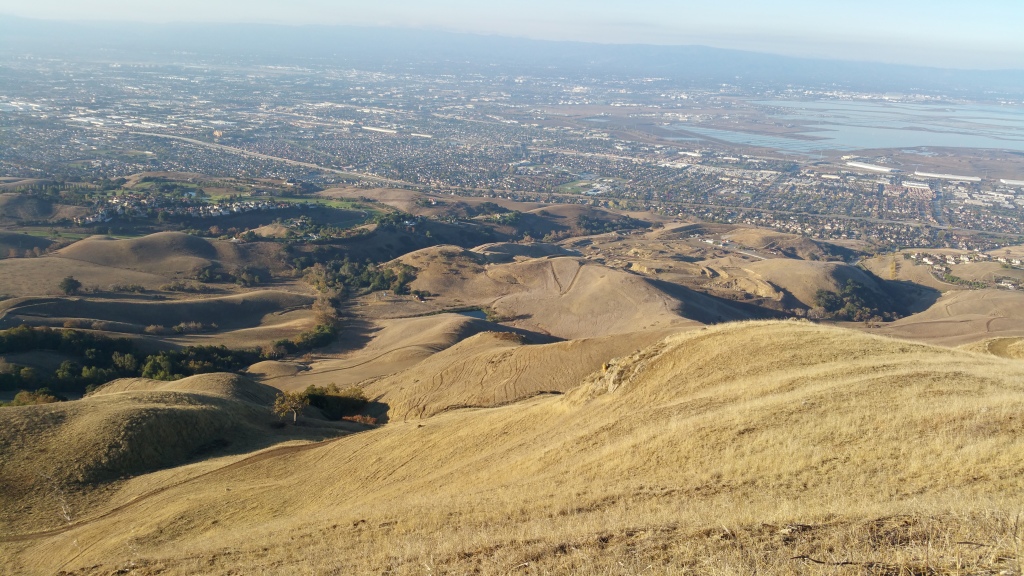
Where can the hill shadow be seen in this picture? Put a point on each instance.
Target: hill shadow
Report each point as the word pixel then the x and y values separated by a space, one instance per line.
pixel 709 309
pixel 377 409
pixel 355 333
pixel 909 297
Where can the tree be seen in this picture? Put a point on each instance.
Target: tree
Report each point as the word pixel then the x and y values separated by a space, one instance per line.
pixel 69 285
pixel 293 402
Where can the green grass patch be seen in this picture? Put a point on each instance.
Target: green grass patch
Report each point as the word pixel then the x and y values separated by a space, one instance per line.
pixel 577 187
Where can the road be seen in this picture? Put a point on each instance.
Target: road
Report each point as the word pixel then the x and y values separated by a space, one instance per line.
pixel 241 152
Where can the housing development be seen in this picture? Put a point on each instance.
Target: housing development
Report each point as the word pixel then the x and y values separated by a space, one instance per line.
pixel 632 144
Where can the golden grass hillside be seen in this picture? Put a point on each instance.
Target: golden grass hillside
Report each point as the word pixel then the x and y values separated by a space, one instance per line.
pixel 564 297
pixel 508 251
pixel 1001 347
pixel 769 448
pixel 54 455
pixel 496 368
pixel 247 310
pixel 394 345
pixel 802 278
pixel 791 245
pixel 963 316
pixel 38 276
pixel 170 253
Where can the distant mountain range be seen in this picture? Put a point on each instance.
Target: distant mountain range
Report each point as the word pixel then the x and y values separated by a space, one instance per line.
pixel 408 49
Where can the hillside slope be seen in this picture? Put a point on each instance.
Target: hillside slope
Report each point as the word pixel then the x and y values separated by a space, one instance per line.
pixel 393 346
pixel 53 454
pixel 565 297
pixel 803 278
pixel 964 316
pixel 495 368
pixel 736 449
pixel 170 253
pixel 132 316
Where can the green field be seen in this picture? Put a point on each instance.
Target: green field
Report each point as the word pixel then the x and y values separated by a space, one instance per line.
pixel 331 203
pixel 577 187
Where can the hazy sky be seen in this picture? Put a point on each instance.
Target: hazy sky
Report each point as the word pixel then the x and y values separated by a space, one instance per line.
pixel 947 33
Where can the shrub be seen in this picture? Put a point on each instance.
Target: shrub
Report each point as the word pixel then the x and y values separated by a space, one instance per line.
pixel 41 396
pixel 189 287
pixel 134 288
pixel 361 419
pixel 69 285
pixel 193 327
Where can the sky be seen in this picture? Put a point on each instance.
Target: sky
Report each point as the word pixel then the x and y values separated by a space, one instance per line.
pixel 949 34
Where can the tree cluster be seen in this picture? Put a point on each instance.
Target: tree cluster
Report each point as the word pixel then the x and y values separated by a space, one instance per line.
pixel 351 278
pixel 855 302
pixel 99 359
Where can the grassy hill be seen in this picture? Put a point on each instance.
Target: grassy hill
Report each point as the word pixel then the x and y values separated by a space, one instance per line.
pixel 18 244
pixel 391 346
pixel 802 279
pixel 133 316
pixel 75 451
pixel 790 245
pixel 170 253
pixel 824 451
pixel 565 297
pixel 963 316
pixel 16 208
pixel 493 369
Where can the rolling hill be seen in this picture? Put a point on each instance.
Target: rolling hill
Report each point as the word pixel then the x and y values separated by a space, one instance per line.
pixel 564 297
pixel 964 316
pixel 391 346
pixel 790 245
pixel 16 245
pixel 823 449
pixel 493 369
pixel 133 316
pixel 128 427
pixel 802 279
pixel 170 253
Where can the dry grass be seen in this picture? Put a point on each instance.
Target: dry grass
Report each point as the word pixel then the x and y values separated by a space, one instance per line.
pixel 803 279
pixel 242 320
pixel 71 454
pixel 797 246
pixel 1001 347
pixel 491 369
pixel 170 253
pixel 730 450
pixel 30 277
pixel 964 316
pixel 563 297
